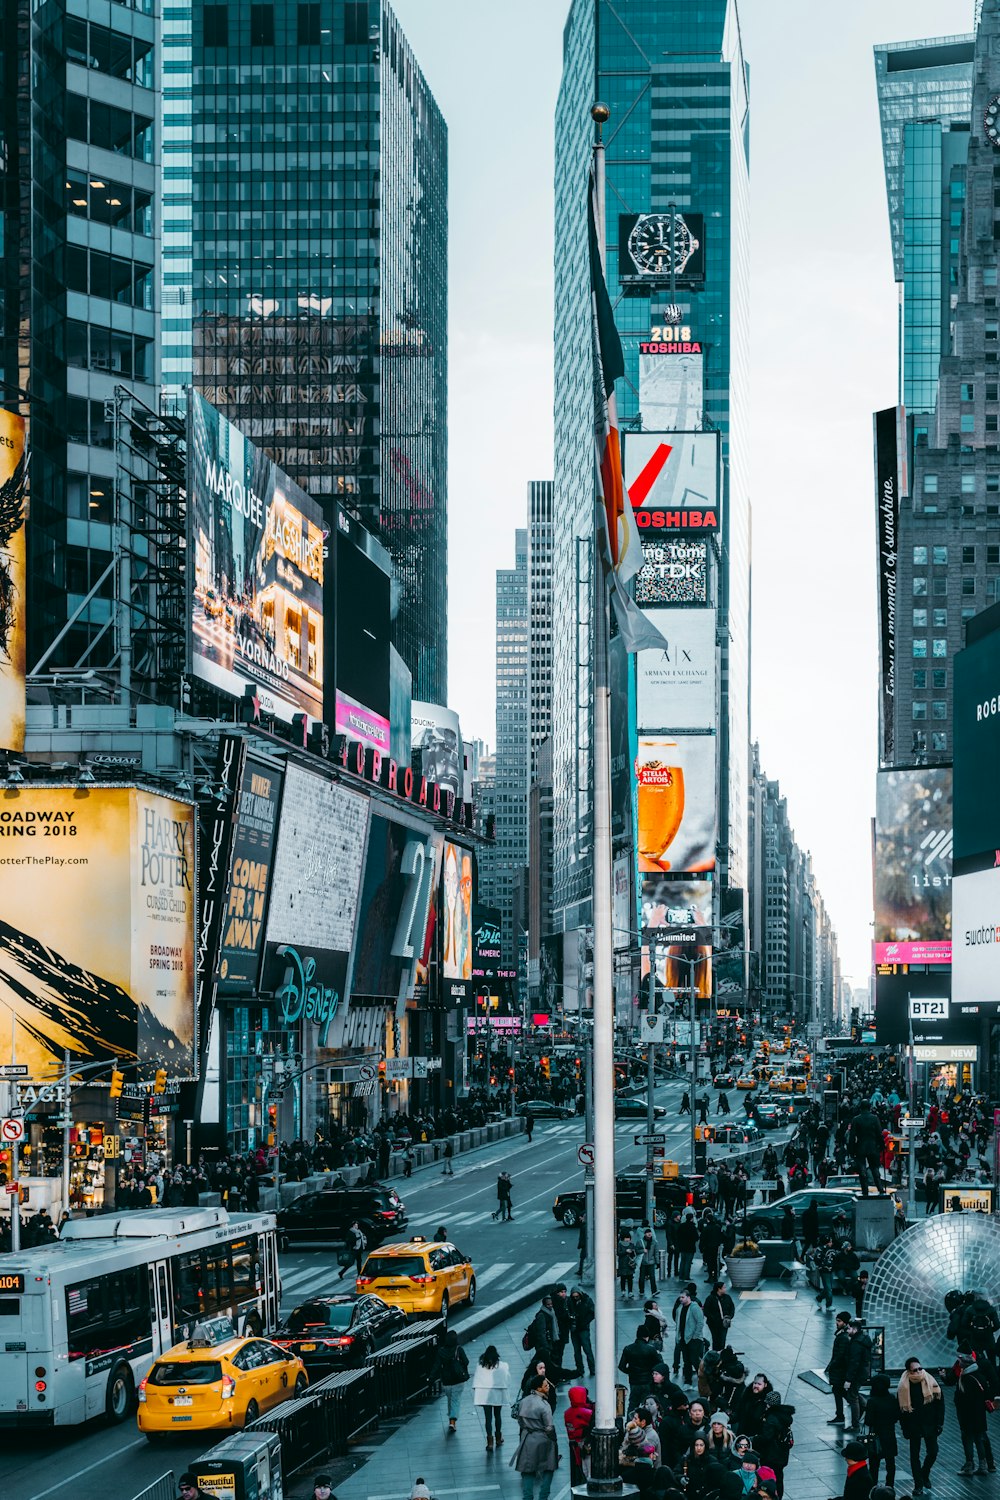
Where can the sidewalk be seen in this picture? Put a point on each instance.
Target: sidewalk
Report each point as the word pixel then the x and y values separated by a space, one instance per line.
pixel 778 1330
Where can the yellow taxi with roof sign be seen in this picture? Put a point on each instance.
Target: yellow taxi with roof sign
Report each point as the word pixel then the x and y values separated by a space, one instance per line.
pixel 419 1276
pixel 215 1381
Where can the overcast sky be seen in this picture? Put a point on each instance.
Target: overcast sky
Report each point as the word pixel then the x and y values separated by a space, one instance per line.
pixel 823 325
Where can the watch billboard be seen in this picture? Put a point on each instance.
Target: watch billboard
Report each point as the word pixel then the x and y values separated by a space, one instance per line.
pixel 672 480
pixel 676 778
pixel 913 866
pixel 256 548
pixel 676 687
pixel 13 579
pixel 661 249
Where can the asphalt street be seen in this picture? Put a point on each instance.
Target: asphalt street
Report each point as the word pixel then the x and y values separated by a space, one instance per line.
pixel 78 1463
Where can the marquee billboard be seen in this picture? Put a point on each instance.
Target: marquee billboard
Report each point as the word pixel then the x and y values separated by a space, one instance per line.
pixel 13 579
pixel 97 922
pixel 676 803
pixel 913 866
pixel 256 544
pixel 676 687
pixel 672 480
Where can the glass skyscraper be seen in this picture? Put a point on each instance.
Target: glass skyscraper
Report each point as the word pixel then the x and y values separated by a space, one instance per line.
pixel 312 200
pixel 674 77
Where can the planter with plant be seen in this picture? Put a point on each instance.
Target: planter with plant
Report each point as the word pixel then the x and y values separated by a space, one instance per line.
pixel 745 1265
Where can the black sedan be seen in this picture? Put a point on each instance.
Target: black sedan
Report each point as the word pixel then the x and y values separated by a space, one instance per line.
pixel 834 1204
pixel 547 1109
pixel 324 1218
pixel 635 1109
pixel 338 1333
pixel 770 1115
pixel 669 1193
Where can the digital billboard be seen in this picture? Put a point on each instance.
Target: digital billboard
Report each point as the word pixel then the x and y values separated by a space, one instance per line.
pixel 676 803
pixel 924 1002
pixel 913 866
pixel 677 968
pixel 621 759
pixel 676 687
pixel 437 743
pixel 363 612
pixel 622 911
pixel 456 913
pixel 486 952
pixel 890 446
pixel 13 579
pixel 671 383
pixel 975 926
pixel 676 911
pixel 257 553
pixel 318 864
pixel 672 572
pixel 661 249
pixel 97 892
pixel 976 724
pixel 244 921
pixel 400 865
pixel 672 480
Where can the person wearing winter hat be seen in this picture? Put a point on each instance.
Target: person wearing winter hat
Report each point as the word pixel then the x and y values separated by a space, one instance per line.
pixel 882 1419
pixel 774 1440
pixel 721 1440
pixel 420 1490
pixel 858 1483
pixel 579 1418
pixel 322 1488
pixel 747 1471
pixel 970 1408
pixel 767 1482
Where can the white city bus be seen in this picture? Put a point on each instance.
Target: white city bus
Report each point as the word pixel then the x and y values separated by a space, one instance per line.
pixel 82 1319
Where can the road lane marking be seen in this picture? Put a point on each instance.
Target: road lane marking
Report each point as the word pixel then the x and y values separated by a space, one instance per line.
pixel 483 1278
pixel 77 1473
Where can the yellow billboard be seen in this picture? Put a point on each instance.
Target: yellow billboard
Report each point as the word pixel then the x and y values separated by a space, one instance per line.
pixel 13 579
pixel 96 928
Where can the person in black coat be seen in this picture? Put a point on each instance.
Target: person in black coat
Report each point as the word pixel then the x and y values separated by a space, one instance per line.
pixel 719 1309
pixel 858 1483
pixel 882 1419
pixel 970 1409
pixel 748 1409
pixel 836 1370
pixel 865 1142
pixel 774 1441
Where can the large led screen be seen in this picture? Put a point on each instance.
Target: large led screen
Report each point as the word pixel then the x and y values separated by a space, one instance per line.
pixel 363 630
pixel 437 743
pixel 672 479
pixel 677 911
pixel 244 922
pixel 257 550
pixel 97 893
pixel 13 624
pixel 392 921
pixel 671 387
pixel 672 572
pixel 320 857
pixel 913 860
pixel 676 687
pixel 457 940
pixel 676 803
pixel 976 937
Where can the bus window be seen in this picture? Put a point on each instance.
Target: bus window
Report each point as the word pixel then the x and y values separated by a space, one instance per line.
pixel 245 1269
pixel 192 1298
pixel 10 1307
pixel 107 1312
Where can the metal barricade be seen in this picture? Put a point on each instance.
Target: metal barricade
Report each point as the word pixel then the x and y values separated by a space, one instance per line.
pixel 433 1327
pixel 404 1372
pixel 163 1488
pixel 323 1422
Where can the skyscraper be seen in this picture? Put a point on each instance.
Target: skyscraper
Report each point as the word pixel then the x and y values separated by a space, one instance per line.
pixel 79 254
pixel 676 144
pixel 314 313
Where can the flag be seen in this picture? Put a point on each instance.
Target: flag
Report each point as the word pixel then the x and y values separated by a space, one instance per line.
pixel 617 535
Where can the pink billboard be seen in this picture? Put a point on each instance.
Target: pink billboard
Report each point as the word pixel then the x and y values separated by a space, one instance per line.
pixel 360 723
pixel 912 953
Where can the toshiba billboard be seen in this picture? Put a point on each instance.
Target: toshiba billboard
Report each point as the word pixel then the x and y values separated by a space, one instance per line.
pixel 672 479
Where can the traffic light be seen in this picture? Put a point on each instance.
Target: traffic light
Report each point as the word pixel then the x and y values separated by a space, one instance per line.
pixel 546 1067
pixel 117 1083
pixel 160 1081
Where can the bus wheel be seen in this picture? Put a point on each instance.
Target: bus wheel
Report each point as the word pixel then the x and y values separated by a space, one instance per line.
pixel 253 1328
pixel 119 1403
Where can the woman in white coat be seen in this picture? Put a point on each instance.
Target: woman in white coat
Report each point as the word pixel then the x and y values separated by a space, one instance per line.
pixel 491 1391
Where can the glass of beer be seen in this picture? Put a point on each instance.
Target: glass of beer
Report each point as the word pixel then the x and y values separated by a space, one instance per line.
pixel 660 807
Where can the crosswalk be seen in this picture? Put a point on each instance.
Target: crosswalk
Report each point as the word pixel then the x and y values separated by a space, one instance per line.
pixel 503 1276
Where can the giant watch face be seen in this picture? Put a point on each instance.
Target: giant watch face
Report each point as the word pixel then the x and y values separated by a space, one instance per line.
pixel 991 122
pixel 660 244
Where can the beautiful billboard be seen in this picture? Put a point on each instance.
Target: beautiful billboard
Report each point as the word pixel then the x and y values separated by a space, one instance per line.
pixel 913 866
pixel 676 803
pixel 672 479
pixel 672 572
pixel 437 742
pixel 676 911
pixel 251 861
pixel 97 928
pixel 457 944
pixel 257 552
pixel 13 579
pixel 676 687
pixel 890 446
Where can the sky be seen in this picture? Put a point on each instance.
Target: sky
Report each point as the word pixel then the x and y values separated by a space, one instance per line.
pixel 823 326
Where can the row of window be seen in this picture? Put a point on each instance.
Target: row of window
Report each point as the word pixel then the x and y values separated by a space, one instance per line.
pixel 939 710
pixel 968 484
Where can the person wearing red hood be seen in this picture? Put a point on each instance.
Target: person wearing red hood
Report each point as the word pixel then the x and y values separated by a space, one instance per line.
pixel 579 1417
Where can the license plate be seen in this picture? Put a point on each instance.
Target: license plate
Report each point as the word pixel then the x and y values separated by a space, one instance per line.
pixel 183 1401
pixel 307 1348
pixel 182 1419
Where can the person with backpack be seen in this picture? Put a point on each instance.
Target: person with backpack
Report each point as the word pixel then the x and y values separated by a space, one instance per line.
pixel 774 1441
pixel 542 1333
pixel 451 1367
pixel 859 1369
pixel 823 1258
pixel 626 1261
pixel 579 1419
pixel 357 1244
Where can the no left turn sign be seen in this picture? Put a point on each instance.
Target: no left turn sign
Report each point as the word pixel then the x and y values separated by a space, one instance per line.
pixel 12 1131
pixel 585 1155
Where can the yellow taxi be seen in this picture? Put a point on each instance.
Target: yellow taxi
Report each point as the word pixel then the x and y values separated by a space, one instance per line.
pixel 746 1081
pixel 419 1276
pixel 781 1084
pixel 212 1382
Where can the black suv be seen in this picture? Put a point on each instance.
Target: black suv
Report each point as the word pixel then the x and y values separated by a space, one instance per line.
pixel 324 1218
pixel 630 1198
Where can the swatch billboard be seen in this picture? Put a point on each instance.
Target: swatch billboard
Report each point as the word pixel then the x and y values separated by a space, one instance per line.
pixel 675 779
pixel 13 579
pixel 97 893
pixel 913 866
pixel 256 544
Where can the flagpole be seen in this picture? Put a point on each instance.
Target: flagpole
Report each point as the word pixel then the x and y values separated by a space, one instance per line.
pixel 605 1441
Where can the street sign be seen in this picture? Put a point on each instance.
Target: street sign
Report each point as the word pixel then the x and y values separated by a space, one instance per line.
pixel 650 1140
pixel 652 1029
pixel 13 1070
pixel 112 1147
pixel 12 1187
pixel 367 1071
pixel 12 1131
pixel 766 1184
pixel 585 1155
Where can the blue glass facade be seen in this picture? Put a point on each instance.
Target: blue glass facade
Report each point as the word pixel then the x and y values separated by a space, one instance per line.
pixel 674 77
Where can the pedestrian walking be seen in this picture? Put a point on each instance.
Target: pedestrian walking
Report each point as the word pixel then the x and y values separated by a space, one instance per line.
pixel 685 1108
pixel 626 1261
pixel 504 1206
pixel 723 1103
pixel 704 1104
pixel 970 1409
pixel 449 1151
pixel 720 1310
pixel 529 1126
pixel 823 1260
pixel 810 1225
pixel 690 1323
pixel 491 1391
pixel 649 1257
pixel 581 1244
pixel 537 1452
pixel 451 1367
pixel 357 1244
pixel 687 1244
pixel 921 1407
pixel 408 1160
pixel 859 1369
pixel 710 1244
pixel 581 1311
pixel 579 1419
pixel 881 1420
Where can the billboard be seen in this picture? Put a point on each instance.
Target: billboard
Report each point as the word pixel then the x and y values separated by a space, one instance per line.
pixel 676 803
pixel 926 1003
pixel 976 936
pixel 676 911
pixel 318 865
pixel 97 892
pixel 257 551
pixel 486 953
pixel 661 249
pixel 622 915
pixel 363 611
pixel 244 921
pixel 672 572
pixel 13 579
pixel 671 385
pixel 677 968
pixel 976 724
pixel 672 479
pixel 913 859
pixel 676 688
pixel 621 767
pixel 456 913
pixel 436 738
pixel 395 897
pixel 889 447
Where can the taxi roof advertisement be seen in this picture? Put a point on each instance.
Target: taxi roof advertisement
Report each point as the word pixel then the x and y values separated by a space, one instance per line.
pixel 257 550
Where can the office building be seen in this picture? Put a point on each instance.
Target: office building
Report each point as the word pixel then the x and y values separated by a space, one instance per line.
pixel 313 309
pixel 677 144
pixel 540 544
pixel 79 274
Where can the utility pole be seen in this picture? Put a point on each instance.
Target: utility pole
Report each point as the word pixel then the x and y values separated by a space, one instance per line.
pixel 588 1263
pixel 650 1083
pixel 694 1058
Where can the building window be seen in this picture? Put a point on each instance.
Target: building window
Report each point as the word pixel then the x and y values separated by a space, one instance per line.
pixel 968 484
pixel 940 557
pixel 919 556
pixel 989 276
pixel 991 330
pixel 968 587
pixel 992 483
pixel 939 710
pixel 919 648
pixel 940 646
pixel 968 391
pixel 919 710
pixel 968 421
pixel 969 556
pixel 940 677
pixel 216 25
pixel 919 677
pixel 940 586
pixel 262 25
pixel 308 25
pixel 919 617
pixel 920 586
pixel 356 23
pixel 991 422
pixel 930 484
pixel 940 621
pixel 939 740
pixel 993 556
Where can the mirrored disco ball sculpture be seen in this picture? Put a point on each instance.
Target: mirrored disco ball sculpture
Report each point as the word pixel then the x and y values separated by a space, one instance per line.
pixel 910 1280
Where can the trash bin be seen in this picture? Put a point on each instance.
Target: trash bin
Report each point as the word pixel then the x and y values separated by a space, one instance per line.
pixel 244 1466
